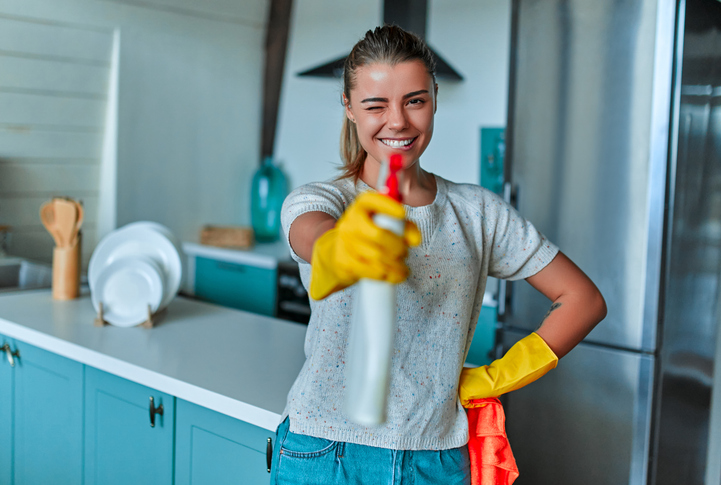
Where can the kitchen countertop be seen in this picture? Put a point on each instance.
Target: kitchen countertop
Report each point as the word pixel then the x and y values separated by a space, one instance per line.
pixel 234 362
pixel 263 255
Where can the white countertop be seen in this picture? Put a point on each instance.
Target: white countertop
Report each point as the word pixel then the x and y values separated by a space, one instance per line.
pixel 265 255
pixel 234 362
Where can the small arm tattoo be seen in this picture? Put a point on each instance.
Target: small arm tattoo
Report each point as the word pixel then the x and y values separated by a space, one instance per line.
pixel 555 306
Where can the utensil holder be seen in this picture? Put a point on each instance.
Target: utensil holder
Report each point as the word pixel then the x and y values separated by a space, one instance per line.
pixel 66 272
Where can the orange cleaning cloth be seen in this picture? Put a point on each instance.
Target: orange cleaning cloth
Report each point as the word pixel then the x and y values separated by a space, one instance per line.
pixel 492 461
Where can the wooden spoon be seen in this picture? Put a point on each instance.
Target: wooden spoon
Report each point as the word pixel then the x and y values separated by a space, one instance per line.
pixel 47 216
pixel 79 223
pixel 66 215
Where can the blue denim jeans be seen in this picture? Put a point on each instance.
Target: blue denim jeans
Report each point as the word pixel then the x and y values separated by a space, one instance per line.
pixel 304 460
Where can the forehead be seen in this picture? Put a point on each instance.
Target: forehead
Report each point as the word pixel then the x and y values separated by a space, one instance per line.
pixel 383 78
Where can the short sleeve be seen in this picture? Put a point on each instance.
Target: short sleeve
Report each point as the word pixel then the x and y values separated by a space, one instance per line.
pixel 313 197
pixel 519 250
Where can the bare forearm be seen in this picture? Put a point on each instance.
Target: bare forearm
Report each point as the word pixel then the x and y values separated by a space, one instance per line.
pixel 577 305
pixel 306 229
pixel 570 319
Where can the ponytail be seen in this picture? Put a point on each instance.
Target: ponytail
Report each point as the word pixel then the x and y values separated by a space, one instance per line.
pixel 351 151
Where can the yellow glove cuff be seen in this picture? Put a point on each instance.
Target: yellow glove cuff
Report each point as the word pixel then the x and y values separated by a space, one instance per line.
pixel 528 360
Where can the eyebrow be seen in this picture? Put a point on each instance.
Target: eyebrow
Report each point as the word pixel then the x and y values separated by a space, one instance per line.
pixel 385 100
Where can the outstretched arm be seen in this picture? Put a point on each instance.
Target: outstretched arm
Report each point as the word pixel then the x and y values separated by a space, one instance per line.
pixel 353 247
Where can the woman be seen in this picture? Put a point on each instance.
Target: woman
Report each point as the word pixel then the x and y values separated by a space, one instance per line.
pixel 456 236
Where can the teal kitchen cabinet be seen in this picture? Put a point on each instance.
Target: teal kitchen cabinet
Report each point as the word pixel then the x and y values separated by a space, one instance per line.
pixel 6 412
pixel 214 448
pixel 236 285
pixel 242 279
pixel 484 338
pixel 128 432
pixel 42 420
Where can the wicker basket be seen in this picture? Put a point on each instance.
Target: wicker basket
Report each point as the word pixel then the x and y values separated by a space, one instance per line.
pixel 238 237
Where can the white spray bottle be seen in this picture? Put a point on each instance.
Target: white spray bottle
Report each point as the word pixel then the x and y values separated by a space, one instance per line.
pixel 373 326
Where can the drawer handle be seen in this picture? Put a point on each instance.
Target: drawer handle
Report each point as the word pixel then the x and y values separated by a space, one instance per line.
pixel 154 411
pixel 10 354
pixel 269 453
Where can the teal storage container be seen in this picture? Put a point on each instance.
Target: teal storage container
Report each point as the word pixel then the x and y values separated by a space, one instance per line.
pixel 268 191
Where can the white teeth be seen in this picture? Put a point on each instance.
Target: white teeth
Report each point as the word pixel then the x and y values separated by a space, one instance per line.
pixel 397 143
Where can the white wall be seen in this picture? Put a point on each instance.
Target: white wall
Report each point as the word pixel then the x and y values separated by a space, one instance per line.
pixel 189 106
pixel 472 35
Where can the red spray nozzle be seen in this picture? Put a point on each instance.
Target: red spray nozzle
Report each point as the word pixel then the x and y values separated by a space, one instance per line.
pixel 396 164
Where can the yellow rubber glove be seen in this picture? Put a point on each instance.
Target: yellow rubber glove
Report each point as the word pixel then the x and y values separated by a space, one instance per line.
pixel 356 248
pixel 529 359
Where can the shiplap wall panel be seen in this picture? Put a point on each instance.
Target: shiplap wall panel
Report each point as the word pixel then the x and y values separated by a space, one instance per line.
pixel 26 142
pixel 25 211
pixel 187 78
pixel 37 244
pixel 53 98
pixel 51 75
pixel 234 11
pixel 51 109
pixel 50 40
pixel 33 179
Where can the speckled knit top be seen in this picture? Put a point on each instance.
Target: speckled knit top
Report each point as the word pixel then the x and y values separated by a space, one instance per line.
pixel 469 233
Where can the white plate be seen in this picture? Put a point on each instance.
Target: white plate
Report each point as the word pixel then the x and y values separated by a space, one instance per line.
pixel 126 288
pixel 165 232
pixel 143 239
pixel 157 227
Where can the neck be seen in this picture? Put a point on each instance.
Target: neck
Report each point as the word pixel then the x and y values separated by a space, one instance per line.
pixel 417 187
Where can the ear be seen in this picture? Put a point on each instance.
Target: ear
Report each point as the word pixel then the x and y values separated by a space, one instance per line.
pixel 348 112
pixel 435 100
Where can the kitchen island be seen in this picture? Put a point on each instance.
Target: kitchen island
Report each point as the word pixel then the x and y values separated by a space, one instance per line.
pixel 216 380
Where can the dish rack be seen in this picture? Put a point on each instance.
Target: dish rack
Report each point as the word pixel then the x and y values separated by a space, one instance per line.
pixel 153 318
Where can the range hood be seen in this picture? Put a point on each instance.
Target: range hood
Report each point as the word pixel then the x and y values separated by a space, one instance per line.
pixel 410 15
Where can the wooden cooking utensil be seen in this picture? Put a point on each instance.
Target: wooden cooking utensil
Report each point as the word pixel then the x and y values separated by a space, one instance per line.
pixel 66 256
pixel 66 217
pixel 79 223
pixel 47 216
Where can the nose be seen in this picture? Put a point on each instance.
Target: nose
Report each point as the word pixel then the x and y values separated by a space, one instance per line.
pixel 397 119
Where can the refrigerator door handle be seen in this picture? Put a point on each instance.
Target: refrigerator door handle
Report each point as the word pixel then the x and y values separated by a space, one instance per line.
pixel 510 195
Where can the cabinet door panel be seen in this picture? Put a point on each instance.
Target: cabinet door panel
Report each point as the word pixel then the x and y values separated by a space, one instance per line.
pixel 121 447
pixel 215 448
pixel 6 414
pixel 236 285
pixel 48 418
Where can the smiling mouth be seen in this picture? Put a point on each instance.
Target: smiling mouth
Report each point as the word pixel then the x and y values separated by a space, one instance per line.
pixel 398 143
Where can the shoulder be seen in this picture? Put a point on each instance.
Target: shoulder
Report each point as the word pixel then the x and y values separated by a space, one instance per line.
pixel 473 197
pixel 332 196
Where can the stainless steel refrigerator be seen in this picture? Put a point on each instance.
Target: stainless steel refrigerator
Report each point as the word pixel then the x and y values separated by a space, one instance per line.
pixel 613 151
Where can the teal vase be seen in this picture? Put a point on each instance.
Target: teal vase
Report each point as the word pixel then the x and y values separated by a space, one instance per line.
pixel 268 192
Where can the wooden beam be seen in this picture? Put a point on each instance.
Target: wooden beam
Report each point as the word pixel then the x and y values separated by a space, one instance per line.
pixel 276 43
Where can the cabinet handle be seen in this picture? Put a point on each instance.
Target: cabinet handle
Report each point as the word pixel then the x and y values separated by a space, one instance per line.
pixel 154 411
pixel 269 453
pixel 10 354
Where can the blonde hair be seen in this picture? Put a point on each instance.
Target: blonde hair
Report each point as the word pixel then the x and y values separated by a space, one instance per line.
pixel 389 44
